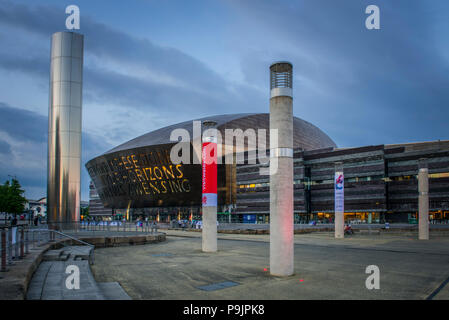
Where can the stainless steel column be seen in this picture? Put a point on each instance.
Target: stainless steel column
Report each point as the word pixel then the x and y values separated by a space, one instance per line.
pixel 64 130
pixel 423 200
pixel 281 170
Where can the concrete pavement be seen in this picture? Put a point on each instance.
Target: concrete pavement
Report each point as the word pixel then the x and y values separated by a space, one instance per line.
pixel 49 280
pixel 325 268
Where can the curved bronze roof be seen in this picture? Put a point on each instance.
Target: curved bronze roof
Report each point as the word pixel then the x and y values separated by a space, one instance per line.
pixel 305 135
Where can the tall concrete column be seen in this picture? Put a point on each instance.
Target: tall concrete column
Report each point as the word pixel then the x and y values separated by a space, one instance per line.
pixel 339 201
pixel 64 130
pixel 423 200
pixel 209 183
pixel 281 169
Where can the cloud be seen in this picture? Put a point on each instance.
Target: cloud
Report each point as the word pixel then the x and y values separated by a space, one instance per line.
pixel 23 150
pixel 362 87
pixel 5 147
pixel 152 85
pixel 119 67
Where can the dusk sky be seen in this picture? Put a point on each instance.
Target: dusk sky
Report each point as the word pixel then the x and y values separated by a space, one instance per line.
pixel 148 64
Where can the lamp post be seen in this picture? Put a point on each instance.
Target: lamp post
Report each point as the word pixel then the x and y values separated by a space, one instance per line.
pixel 281 169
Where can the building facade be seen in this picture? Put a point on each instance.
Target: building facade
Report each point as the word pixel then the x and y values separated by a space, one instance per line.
pixel 380 184
pixel 140 178
pixel 96 208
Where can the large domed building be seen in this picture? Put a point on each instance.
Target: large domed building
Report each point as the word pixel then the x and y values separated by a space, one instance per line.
pixel 138 177
pixel 140 174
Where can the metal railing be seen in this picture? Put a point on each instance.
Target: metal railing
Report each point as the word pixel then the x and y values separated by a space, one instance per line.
pixel 105 226
pixel 14 245
pixel 62 235
pixel 16 242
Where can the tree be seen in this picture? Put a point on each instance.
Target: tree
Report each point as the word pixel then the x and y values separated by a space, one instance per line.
pixel 3 197
pixel 85 212
pixel 11 197
pixel 18 201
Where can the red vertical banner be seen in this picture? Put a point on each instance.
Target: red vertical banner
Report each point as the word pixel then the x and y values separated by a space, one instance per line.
pixel 209 176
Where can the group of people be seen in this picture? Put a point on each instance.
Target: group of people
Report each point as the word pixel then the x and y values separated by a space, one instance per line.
pixel 183 224
pixel 13 221
pixel 153 225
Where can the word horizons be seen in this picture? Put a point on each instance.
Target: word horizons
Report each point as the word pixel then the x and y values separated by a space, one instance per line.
pixel 147 180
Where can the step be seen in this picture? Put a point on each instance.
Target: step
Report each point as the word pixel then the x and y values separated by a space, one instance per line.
pixel 113 291
pixel 53 255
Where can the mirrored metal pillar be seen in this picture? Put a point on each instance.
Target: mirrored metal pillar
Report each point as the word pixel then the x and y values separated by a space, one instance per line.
pixel 64 130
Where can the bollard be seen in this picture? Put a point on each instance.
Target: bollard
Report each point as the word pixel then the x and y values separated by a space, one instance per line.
pixel 3 268
pixel 9 245
pixel 16 244
pixel 22 252
pixel 27 247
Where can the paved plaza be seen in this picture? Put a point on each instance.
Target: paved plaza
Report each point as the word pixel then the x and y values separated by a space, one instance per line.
pixel 325 268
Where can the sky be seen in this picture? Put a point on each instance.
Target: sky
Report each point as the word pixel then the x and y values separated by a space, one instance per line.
pixel 153 63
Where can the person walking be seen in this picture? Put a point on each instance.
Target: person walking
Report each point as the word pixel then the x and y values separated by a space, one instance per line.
pixel 154 227
pixel 183 226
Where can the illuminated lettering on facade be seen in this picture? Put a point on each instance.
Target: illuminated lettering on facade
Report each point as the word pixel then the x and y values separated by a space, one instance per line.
pixel 147 174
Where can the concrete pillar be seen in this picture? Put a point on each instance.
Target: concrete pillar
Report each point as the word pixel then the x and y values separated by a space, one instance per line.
pixel 339 201
pixel 209 187
pixel 423 200
pixel 64 130
pixel 281 170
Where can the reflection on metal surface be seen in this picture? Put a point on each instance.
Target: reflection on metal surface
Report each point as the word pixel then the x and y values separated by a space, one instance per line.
pixel 64 128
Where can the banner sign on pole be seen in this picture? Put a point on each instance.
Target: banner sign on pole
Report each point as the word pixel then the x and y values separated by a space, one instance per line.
pixel 209 181
pixel 339 192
